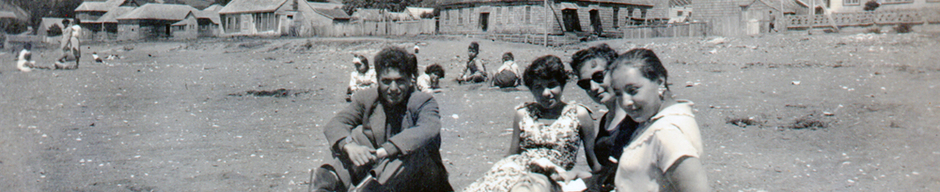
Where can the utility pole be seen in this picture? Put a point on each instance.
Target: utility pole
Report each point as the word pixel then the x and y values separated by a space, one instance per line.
pixel 547 15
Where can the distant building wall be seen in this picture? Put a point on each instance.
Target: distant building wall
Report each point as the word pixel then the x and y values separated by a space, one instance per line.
pixel 532 17
pixel 129 30
pixel 723 17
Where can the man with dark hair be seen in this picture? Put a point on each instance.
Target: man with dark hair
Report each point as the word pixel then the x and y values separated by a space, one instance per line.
pixel 388 138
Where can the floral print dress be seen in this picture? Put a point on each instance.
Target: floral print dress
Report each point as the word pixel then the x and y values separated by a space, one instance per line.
pixel 558 142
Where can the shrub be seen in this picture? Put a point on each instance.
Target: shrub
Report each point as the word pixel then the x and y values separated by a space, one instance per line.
pixel 903 28
pixel 54 30
pixel 871 5
pixel 875 30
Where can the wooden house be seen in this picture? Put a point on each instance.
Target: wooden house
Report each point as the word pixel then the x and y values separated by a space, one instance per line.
pixel 268 17
pixel 848 6
pixel 534 17
pixel 158 21
pixel 209 21
pixel 745 17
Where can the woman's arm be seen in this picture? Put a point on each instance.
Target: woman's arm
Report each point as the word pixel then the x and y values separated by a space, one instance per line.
pixel 588 135
pixel 687 174
pixel 514 140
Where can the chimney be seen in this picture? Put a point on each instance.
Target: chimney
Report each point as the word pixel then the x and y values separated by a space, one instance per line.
pixel 294 4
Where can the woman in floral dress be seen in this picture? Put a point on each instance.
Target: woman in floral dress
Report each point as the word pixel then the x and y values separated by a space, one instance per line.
pixel 546 129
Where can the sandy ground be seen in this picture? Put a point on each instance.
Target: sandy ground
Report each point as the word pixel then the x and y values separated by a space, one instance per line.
pixel 177 116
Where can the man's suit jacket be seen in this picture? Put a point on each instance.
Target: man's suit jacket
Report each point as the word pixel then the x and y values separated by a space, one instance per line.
pixel 420 130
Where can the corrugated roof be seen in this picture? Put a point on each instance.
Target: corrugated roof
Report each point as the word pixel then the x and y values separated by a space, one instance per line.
pixel 8 15
pixel 251 6
pixel 112 15
pixel 172 12
pixel 319 5
pixel 332 13
pixel 211 13
pixel 185 22
pixel 632 2
pixel 12 11
pixel 213 7
pixel 98 5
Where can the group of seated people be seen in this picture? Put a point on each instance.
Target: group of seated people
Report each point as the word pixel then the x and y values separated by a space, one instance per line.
pixel 388 138
pixel 506 76
pixel 69 47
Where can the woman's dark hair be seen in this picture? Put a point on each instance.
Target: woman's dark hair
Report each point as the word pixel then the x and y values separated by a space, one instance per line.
pixel 28 46
pixel 645 61
pixel 397 58
pixel 363 60
pixel 435 69
pixel 508 57
pixel 77 21
pixel 65 22
pixel 546 67
pixel 475 46
pixel 598 51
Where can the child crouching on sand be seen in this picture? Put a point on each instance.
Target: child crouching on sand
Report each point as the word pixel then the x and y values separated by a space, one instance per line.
pixel 362 78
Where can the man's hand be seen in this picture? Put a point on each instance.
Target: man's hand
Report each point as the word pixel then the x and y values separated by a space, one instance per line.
pixel 358 154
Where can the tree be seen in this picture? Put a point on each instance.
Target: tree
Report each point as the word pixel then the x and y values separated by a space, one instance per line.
pixel 350 6
pixel 871 5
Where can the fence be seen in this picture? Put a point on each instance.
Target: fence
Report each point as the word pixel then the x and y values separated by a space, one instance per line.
pixel 879 17
pixel 537 39
pixel 665 30
pixel 375 28
pixel 16 42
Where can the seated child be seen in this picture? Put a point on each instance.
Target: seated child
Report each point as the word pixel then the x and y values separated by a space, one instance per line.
pixel 429 82
pixel 362 78
pixel 508 74
pixel 24 61
pixel 475 72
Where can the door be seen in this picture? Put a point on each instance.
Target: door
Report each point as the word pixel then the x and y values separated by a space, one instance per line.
pixel 484 21
pixel 570 17
pixel 596 22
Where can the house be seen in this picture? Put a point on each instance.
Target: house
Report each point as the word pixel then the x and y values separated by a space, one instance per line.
pixel 417 12
pixel 209 21
pixel 92 10
pixel 736 17
pixel 153 21
pixel 266 17
pixel 98 18
pixel 848 6
pixel 13 19
pixel 533 17
pixel 48 23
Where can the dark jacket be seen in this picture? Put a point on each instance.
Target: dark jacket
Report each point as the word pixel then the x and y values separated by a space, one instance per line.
pixel 413 148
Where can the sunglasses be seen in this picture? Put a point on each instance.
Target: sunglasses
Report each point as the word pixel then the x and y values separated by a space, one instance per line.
pixel 597 77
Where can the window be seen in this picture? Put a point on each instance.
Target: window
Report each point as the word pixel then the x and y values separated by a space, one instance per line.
pixel 460 16
pixel 851 2
pixel 265 21
pixel 616 15
pixel 231 23
pixel 679 13
pixel 510 15
pixel 499 17
pixel 528 10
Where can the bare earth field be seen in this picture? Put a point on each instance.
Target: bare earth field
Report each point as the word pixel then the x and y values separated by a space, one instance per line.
pixel 864 115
